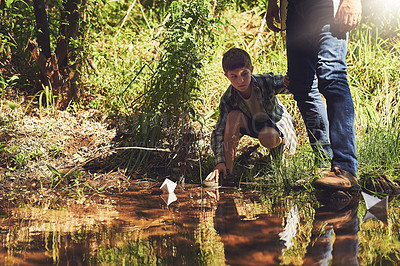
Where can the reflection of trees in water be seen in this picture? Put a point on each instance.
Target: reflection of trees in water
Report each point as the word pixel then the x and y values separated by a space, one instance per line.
pixel 295 254
pixel 281 203
pixel 247 209
pixel 43 234
pixel 379 243
pixel 249 239
pixel 195 230
pixel 211 246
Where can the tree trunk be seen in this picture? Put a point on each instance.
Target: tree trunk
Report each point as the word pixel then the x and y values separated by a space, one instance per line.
pixel 42 27
pixel 55 69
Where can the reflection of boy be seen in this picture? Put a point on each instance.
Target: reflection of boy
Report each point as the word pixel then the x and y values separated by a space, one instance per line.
pixel 249 107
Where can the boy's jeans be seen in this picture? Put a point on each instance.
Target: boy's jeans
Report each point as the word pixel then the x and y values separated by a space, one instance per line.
pixel 316 48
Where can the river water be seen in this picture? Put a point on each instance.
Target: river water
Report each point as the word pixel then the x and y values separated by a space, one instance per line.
pixel 199 226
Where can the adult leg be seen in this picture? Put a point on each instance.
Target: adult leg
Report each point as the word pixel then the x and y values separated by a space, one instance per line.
pixel 302 58
pixel 319 49
pixel 332 78
pixel 234 122
pixel 312 109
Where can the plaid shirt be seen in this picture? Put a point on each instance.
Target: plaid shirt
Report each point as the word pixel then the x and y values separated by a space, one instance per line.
pixel 269 85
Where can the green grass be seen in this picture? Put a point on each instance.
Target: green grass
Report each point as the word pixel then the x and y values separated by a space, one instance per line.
pixel 374 78
pixel 375 82
pixel 379 153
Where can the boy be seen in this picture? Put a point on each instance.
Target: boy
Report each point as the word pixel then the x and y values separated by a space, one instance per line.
pixel 248 107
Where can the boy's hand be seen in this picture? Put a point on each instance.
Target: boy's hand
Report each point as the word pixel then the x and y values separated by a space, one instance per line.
pixel 214 175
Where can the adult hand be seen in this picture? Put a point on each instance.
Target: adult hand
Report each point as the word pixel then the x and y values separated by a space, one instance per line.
pixel 214 175
pixel 348 15
pixel 273 15
pixel 286 81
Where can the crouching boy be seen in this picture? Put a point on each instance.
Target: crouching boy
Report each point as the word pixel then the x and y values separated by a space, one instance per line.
pixel 248 107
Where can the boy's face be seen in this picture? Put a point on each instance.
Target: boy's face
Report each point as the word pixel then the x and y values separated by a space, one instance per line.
pixel 240 79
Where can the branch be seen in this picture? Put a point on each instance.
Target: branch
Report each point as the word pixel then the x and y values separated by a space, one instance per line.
pixel 260 31
pixel 126 17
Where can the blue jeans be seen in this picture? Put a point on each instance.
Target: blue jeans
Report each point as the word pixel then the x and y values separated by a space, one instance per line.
pixel 316 53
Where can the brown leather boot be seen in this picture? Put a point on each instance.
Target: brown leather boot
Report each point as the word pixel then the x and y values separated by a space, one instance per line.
pixel 337 179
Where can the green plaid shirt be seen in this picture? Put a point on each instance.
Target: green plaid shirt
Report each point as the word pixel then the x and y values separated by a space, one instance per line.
pixel 269 85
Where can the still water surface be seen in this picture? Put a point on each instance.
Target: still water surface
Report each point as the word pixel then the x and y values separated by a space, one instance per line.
pixel 198 226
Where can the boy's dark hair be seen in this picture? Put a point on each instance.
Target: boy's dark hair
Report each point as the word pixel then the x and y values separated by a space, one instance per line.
pixel 236 58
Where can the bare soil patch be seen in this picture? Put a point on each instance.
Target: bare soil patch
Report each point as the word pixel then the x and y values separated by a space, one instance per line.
pixel 44 153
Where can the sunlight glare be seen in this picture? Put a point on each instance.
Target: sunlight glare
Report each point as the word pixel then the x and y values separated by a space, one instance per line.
pixel 388 6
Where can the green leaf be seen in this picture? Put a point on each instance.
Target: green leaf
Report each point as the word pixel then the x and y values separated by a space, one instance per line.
pixel 9 2
pixel 12 105
pixel 53 170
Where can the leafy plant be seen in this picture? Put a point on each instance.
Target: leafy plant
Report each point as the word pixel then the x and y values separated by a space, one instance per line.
pixel 7 156
pixel 16 28
pixel 57 177
pixel 20 159
pixel 46 100
pixel 9 82
pixel 167 105
pixel 55 151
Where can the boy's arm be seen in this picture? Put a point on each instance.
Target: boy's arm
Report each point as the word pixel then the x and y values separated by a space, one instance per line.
pixel 281 84
pixel 273 84
pixel 217 136
pixel 277 83
pixel 219 169
pixel 217 145
pixel 217 142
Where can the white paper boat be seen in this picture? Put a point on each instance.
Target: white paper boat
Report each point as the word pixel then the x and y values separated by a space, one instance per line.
pixel 168 186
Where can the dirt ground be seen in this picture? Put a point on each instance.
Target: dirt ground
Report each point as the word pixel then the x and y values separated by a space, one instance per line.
pixel 45 153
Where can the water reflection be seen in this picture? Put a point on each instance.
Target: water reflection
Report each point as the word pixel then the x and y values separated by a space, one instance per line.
pixel 249 238
pixel 376 207
pixel 334 236
pixel 201 227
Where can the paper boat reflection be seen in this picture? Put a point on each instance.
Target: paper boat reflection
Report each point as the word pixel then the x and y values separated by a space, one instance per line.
pixel 376 207
pixel 168 198
pixel 290 230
